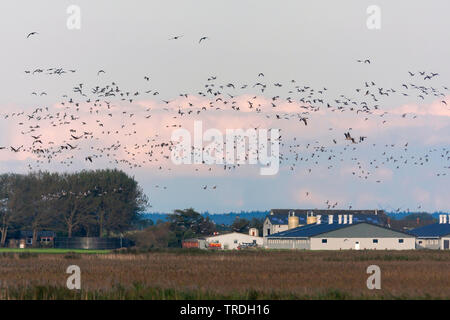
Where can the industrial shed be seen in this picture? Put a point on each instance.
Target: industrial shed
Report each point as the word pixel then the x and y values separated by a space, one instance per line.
pixel 434 236
pixel 339 236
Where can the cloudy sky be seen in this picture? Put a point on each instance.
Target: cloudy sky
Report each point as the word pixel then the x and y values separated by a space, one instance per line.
pixel 402 164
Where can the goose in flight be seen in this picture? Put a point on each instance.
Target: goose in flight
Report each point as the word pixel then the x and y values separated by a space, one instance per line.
pixel 16 149
pixel 31 34
pixel 202 38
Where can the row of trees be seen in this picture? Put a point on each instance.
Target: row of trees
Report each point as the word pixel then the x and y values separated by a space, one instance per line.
pixel 86 203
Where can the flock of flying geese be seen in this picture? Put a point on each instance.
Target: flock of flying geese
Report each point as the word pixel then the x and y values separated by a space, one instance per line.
pixel 86 106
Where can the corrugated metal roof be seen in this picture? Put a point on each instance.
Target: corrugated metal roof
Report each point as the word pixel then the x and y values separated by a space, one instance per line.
pixel 312 230
pixel 308 230
pixel 28 233
pixel 432 230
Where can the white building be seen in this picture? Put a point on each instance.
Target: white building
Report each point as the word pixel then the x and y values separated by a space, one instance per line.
pixel 231 241
pixel 434 236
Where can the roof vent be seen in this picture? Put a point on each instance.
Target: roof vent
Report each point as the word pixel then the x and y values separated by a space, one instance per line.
pixel 319 217
pixel 340 219
pixel 345 219
pixel 350 219
pixel 444 218
pixel 330 219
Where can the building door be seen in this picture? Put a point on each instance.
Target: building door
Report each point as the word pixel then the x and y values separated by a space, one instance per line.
pixel 357 245
pixel 447 244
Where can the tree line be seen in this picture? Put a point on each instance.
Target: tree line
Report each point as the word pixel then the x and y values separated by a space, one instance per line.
pixel 86 203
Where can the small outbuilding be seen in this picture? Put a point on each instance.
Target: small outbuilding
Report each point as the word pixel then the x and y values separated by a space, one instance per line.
pixel 44 238
pixel 199 243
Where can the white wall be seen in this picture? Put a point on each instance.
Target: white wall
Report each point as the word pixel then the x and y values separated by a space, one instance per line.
pixel 364 243
pixel 434 244
pixel 233 240
pixel 274 228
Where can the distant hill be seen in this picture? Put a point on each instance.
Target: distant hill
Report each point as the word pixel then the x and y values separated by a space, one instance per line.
pixel 217 218
pixel 228 218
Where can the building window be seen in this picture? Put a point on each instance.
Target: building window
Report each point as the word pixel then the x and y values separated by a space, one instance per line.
pixel 420 242
pixel 324 240
pixel 268 232
pixel 400 241
pixel 235 241
pixel 375 240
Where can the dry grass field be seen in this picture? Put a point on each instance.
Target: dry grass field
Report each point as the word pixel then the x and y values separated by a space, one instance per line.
pixel 228 275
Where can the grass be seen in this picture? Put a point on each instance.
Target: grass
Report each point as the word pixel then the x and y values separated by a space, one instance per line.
pixel 175 274
pixel 52 251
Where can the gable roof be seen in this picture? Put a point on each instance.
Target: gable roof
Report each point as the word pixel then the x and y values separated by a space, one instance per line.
pixel 307 231
pixel 312 230
pixel 434 230
pixel 231 233
pixel 29 234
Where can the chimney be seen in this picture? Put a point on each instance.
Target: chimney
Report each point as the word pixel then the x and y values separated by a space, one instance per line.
pixel 340 219
pixel 330 219
pixel 345 219
pixel 319 217
pixel 376 212
pixel 418 220
pixel 350 219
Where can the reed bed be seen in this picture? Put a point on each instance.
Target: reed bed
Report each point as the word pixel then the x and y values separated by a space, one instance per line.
pixel 228 275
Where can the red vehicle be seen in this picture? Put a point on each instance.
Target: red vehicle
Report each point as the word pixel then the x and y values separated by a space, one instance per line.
pixel 215 245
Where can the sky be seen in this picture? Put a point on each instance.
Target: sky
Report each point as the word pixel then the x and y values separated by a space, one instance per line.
pixel 315 43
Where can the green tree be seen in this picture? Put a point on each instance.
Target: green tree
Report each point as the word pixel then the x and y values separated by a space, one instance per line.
pixel 187 224
pixel 35 211
pixel 240 225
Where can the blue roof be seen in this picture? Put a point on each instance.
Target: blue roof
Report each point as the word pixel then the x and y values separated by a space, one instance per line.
pixel 283 218
pixel 309 230
pixel 432 230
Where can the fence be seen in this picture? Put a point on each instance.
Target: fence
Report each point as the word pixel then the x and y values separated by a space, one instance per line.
pixel 91 243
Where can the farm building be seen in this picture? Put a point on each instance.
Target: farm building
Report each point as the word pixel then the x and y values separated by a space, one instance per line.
pixel 278 219
pixel 199 243
pixel 434 236
pixel 341 236
pixel 233 240
pixel 44 238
